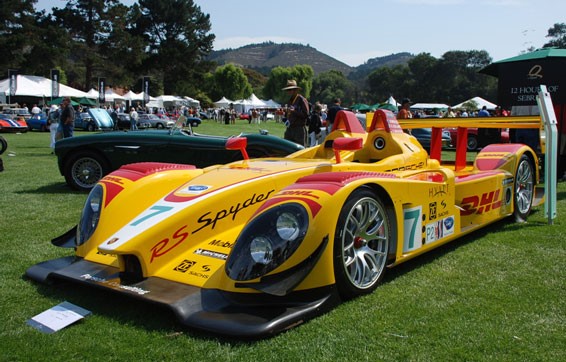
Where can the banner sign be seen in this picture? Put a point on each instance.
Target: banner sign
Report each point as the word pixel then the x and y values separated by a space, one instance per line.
pixel 101 88
pixel 146 89
pixel 54 83
pixel 519 82
pixel 13 75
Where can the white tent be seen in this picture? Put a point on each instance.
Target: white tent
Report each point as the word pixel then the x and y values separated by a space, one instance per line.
pixel 479 101
pixel 255 102
pixel 130 96
pixel 192 102
pixel 35 86
pixel 223 103
pixel 392 101
pixel 429 106
pixel 272 104
pixel 92 93
pixel 111 96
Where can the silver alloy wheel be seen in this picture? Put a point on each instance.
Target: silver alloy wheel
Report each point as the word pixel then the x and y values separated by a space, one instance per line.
pixel 524 186
pixel 86 172
pixel 365 242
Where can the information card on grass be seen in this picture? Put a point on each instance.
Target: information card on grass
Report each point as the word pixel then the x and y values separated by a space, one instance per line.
pixel 58 317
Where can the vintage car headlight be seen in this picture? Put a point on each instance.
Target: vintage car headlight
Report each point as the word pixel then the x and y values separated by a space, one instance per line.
pixel 267 242
pixel 90 215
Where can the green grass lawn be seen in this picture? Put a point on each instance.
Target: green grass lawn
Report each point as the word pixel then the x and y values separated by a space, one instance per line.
pixel 496 295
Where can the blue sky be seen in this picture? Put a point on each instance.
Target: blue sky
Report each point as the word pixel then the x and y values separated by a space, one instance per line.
pixel 357 30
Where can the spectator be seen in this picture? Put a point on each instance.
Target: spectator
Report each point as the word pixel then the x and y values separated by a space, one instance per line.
pixel 297 114
pixel 331 113
pixel 133 119
pixel 67 118
pixel 405 111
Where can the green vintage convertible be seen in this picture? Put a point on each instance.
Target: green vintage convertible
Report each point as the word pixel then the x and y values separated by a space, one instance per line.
pixel 85 160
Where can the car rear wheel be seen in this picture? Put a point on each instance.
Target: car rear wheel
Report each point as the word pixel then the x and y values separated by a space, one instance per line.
pixel 524 188
pixel 361 243
pixel 472 143
pixel 84 169
pixel 90 127
pixel 159 125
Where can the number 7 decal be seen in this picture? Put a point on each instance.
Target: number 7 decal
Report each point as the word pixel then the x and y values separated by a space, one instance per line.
pixel 157 210
pixel 412 226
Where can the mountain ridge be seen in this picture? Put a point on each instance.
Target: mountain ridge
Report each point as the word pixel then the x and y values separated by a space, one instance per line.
pixel 263 57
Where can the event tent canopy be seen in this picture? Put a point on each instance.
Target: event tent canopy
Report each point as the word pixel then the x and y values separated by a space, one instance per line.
pixel 480 103
pixel 429 106
pixel 36 86
pixel 223 102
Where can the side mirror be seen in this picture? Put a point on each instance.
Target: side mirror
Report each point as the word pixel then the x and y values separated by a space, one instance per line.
pixel 238 143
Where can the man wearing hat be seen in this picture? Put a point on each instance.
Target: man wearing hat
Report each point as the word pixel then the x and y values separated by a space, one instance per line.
pixel 297 114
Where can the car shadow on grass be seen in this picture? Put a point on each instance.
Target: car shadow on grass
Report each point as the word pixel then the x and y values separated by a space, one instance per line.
pixel 53 188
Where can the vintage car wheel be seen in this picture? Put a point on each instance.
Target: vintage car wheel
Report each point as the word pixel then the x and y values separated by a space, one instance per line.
pixel 83 170
pixel 361 244
pixel 3 145
pixel 159 125
pixel 90 127
pixel 524 188
pixel 472 143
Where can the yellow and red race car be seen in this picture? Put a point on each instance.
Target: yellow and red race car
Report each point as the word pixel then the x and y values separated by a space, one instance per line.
pixel 258 246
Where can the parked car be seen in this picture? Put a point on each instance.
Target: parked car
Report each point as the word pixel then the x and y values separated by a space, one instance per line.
pixel 124 122
pixel 193 121
pixel 14 112
pixel 38 122
pixel 155 121
pixel 12 125
pixel 255 247
pixel 473 140
pixel 424 135
pixel 83 161
pixel 87 120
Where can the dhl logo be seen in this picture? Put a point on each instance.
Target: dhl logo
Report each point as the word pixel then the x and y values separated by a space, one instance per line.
pixel 476 205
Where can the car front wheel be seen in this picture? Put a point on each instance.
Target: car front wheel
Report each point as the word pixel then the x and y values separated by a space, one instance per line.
pixel 84 169
pixel 159 125
pixel 524 189
pixel 361 243
pixel 3 145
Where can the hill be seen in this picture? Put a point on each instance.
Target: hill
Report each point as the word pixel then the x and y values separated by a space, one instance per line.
pixel 262 57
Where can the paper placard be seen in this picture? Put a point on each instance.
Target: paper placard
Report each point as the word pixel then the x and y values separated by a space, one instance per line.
pixel 58 317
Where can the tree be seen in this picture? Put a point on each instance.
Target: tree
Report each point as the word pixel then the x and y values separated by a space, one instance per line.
pixel 278 77
pixel 178 39
pixel 17 26
pixel 330 85
pixel 89 23
pixel 558 35
pixel 231 82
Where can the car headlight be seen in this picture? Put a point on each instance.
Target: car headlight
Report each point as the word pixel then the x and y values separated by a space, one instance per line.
pixel 267 242
pixel 90 215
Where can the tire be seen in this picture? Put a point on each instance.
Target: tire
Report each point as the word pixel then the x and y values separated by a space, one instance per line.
pixel 44 128
pixel 361 243
pixel 524 189
pixel 90 127
pixel 159 125
pixel 3 145
pixel 472 143
pixel 83 170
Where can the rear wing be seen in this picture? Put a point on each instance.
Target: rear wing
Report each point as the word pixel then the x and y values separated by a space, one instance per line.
pixel 546 123
pixel 462 125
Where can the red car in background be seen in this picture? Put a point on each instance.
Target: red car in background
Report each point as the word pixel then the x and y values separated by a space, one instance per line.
pixel 473 139
pixel 12 125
